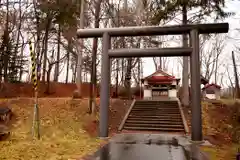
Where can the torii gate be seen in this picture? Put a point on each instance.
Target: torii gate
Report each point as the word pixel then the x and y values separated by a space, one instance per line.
pixel 193 51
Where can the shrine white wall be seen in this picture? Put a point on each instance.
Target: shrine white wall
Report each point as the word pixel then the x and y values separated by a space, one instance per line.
pixel 147 93
pixel 172 93
pixel 145 82
pixel 211 96
pixel 215 95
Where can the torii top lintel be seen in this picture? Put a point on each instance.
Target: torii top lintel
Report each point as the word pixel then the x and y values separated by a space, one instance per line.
pixel 154 30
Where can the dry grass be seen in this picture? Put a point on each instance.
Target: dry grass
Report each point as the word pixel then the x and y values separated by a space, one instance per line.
pixel 226 152
pixel 62 133
pixel 217 121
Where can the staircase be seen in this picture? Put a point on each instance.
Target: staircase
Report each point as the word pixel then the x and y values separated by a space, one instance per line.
pixel 153 115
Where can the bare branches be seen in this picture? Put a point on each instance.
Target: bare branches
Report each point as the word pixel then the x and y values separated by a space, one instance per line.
pixel 52 61
pixel 210 52
pixel 229 77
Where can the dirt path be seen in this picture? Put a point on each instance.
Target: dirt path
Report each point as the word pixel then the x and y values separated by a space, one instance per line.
pixel 118 109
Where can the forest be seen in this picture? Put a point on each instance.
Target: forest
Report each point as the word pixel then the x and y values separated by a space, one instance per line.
pixel 61 57
pixel 39 37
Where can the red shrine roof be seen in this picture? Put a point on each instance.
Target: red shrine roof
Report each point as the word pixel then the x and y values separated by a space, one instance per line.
pixel 212 84
pixel 160 77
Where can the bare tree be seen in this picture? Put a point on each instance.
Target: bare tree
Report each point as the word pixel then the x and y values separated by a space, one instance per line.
pixel 45 49
pixel 92 101
pixel 237 89
pixel 56 73
pixel 185 77
pixel 51 62
pixel 230 80
pixel 210 55
pixel 80 48
pixel 6 45
pixel 68 63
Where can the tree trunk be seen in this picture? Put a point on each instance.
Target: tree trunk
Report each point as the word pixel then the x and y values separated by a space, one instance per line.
pixel 18 38
pixel 129 61
pixel 5 55
pixel 185 77
pixel 19 29
pixel 41 50
pixel 68 59
pixel 56 73
pixel 92 102
pixel 138 72
pixel 21 55
pixel 123 63
pixel 237 89
pixel 46 47
pixel 116 23
pixel 117 77
pixel 139 18
pixel 216 69
pixel 48 79
pixel 16 51
pixel 75 73
pixel 80 48
pixel 141 75
pixel 6 46
pixel 128 77
pixel 50 65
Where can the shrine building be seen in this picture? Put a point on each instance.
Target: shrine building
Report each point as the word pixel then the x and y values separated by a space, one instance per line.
pixel 211 91
pixel 159 85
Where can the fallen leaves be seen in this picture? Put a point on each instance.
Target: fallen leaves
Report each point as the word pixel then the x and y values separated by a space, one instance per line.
pixel 217 121
pixel 218 126
pixel 225 152
pixel 62 135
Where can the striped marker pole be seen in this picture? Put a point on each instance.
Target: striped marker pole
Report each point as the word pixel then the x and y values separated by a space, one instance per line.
pixel 33 60
pixel 35 127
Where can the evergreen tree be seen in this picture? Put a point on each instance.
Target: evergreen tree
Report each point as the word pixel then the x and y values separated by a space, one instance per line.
pixel 10 63
pixel 204 8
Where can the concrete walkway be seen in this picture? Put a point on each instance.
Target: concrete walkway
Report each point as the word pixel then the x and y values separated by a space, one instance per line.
pixel 148 147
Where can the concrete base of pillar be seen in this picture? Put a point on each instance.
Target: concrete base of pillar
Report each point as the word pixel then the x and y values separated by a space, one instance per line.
pixel 104 138
pixel 201 143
